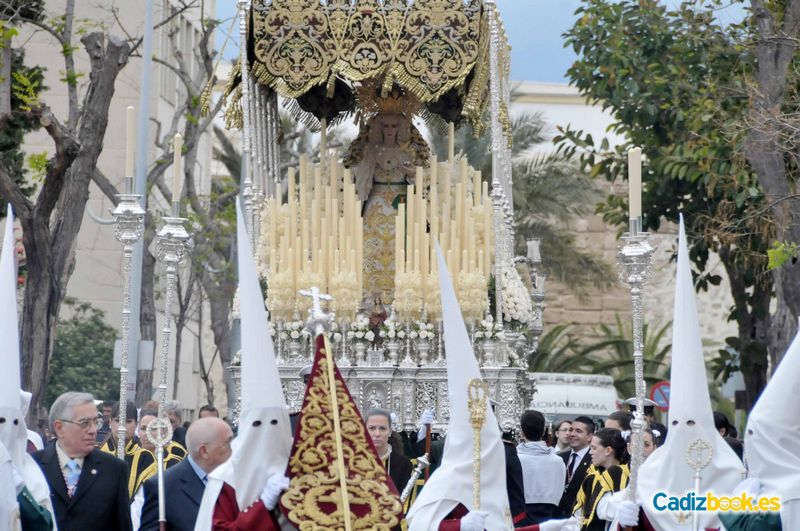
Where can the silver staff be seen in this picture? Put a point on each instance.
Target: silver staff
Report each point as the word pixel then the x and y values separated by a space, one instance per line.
pixel 698 456
pixel 422 464
pixel 172 242
pixel 635 258
pixel 159 431
pixel 129 217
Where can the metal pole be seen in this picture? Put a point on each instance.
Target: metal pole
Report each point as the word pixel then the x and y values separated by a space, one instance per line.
pixel 247 167
pixel 140 189
pixel 171 244
pixel 634 259
pixel 498 139
pixel 129 218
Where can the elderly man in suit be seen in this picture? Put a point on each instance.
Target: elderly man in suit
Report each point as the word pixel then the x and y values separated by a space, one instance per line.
pixel 209 444
pixel 89 487
pixel 578 461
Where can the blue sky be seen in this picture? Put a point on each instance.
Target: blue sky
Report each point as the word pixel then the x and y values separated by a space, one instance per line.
pixel 534 29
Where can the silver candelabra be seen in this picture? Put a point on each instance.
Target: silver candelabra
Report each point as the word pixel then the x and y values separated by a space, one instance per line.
pixel 172 242
pixel 635 258
pixel 129 217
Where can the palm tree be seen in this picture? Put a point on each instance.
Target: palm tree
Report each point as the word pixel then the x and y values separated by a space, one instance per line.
pixel 549 191
pixel 616 346
pixel 560 351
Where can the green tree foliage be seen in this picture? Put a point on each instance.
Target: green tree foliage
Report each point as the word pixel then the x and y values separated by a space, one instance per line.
pixel 18 124
pixel 83 355
pixel 675 82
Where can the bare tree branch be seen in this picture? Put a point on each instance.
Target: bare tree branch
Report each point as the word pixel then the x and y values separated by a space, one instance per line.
pixel 67 148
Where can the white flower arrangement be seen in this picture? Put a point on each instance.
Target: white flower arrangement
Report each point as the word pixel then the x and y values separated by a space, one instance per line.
pixel 360 330
pixel 294 330
pixel 517 308
pixel 391 330
pixel 422 330
pixel 488 330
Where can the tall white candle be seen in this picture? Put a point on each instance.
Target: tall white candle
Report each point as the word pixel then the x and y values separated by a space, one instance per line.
pixel 451 142
pixel 177 168
pixel 635 183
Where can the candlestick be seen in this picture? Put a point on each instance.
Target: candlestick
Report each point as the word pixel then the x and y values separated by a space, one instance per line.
pixel 129 218
pixel 634 259
pixel 177 171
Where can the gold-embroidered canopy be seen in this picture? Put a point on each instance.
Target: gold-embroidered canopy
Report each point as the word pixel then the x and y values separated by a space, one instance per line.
pixel 437 50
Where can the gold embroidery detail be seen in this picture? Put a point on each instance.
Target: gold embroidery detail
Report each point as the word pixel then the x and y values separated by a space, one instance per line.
pixel 314 499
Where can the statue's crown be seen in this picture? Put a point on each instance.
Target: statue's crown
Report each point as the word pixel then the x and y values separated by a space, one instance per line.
pixel 374 99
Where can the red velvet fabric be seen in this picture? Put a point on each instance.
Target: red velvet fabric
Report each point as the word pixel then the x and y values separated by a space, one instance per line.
pixel 228 517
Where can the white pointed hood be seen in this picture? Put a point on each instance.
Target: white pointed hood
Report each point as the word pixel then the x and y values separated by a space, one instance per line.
pixel 264 439
pixel 772 439
pixel 14 432
pixel 451 483
pixel 690 418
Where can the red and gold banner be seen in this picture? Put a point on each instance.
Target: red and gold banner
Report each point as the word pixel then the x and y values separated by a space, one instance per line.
pixel 333 467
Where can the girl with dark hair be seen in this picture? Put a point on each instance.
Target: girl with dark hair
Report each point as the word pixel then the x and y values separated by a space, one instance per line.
pixel 608 473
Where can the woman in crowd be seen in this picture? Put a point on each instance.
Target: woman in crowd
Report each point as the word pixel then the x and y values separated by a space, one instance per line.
pixel 608 473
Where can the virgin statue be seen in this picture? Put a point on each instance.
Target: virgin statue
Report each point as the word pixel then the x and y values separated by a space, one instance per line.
pixel 383 160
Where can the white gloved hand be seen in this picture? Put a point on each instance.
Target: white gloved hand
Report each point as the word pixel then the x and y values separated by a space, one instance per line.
pixel 749 486
pixel 19 482
pixel 569 524
pixel 474 521
pixel 424 420
pixel 628 513
pixel 276 484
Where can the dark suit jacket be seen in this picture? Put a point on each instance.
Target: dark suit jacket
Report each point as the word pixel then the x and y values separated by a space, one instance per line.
pixel 101 499
pixel 514 485
pixel 179 436
pixel 567 502
pixel 183 491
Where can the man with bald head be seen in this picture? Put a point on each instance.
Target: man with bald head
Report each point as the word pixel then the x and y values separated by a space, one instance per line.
pixel 208 442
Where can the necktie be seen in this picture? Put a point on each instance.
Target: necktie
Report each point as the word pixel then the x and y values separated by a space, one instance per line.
pixel 571 464
pixel 73 474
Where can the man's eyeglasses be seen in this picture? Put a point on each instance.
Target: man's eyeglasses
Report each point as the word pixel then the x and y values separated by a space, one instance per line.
pixel 85 424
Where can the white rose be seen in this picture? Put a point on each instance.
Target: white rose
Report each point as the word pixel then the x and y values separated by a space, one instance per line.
pixel 423 334
pixel 370 336
pixel 401 334
pixel 350 335
pixel 413 335
pixel 478 335
pixel 359 335
pixel 391 334
pixel 295 334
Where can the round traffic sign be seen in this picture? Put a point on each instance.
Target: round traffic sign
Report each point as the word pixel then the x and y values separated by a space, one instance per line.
pixel 659 394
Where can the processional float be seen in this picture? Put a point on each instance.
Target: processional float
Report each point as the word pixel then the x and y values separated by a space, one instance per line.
pixel 361 224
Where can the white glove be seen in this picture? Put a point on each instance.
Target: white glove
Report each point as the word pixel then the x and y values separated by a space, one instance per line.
pixel 569 524
pixel 425 419
pixel 749 486
pixel 474 521
pixel 628 513
pixel 276 484
pixel 19 482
